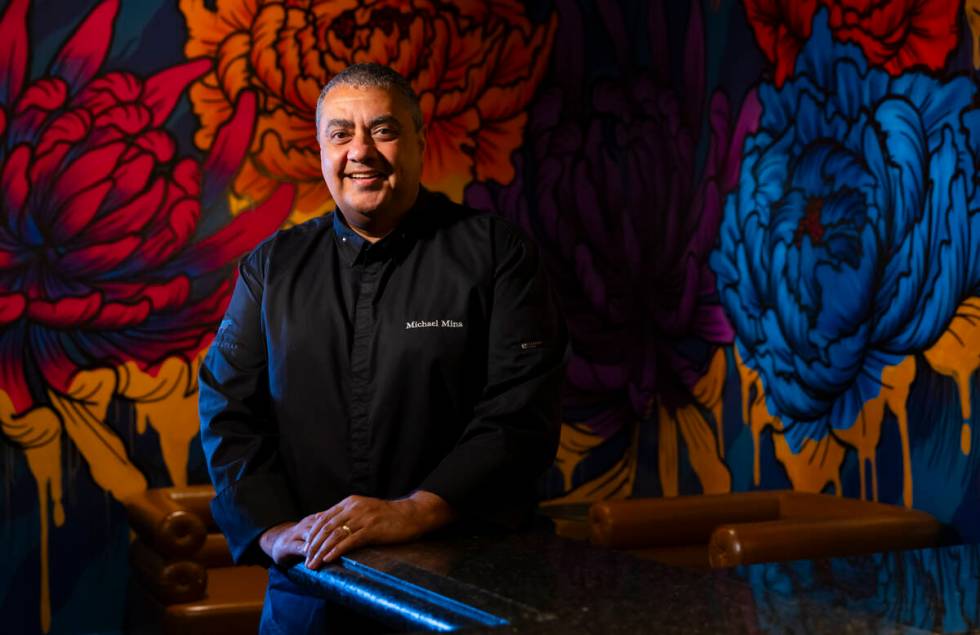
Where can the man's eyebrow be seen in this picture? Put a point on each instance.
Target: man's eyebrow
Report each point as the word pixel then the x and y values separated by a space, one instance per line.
pixel 385 119
pixel 340 123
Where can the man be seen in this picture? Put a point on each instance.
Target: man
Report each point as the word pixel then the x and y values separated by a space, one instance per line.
pixel 383 370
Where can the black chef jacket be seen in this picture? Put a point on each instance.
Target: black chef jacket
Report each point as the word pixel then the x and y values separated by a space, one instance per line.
pixel 430 360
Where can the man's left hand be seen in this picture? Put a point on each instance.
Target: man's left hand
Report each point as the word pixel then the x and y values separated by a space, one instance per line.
pixel 358 521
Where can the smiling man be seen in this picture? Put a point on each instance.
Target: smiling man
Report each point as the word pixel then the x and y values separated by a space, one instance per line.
pixel 371 146
pixel 383 371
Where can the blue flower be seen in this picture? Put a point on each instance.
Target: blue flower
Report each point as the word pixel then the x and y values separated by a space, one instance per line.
pixel 853 233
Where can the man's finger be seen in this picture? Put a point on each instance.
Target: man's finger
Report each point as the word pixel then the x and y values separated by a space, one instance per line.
pixel 351 542
pixel 288 547
pixel 320 519
pixel 336 529
pixel 333 538
pixel 331 512
pixel 314 542
pixel 330 538
pixel 310 524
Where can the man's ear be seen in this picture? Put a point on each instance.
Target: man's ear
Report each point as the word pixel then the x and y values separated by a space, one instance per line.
pixel 422 139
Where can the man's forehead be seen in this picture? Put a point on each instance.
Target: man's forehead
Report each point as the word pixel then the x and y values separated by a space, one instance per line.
pixel 360 97
pixel 340 122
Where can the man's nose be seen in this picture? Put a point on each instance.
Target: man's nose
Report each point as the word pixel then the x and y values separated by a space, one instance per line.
pixel 360 147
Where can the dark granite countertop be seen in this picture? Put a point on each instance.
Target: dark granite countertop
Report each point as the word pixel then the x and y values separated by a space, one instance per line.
pixel 535 582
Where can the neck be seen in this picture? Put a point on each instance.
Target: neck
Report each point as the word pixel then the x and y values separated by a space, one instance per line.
pixel 370 234
pixel 373 229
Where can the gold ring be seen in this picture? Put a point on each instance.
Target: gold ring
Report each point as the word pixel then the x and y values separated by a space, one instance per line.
pixel 347 529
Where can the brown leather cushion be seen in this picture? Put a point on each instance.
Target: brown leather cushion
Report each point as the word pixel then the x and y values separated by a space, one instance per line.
pixel 764 526
pixel 232 604
pixel 792 539
pixel 171 529
pixel 214 552
pixel 168 580
pixel 668 522
pixel 196 499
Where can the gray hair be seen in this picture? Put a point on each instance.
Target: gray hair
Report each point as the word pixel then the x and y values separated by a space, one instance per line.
pixel 372 75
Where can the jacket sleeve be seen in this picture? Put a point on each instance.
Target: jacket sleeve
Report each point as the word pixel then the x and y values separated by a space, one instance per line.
pixel 239 434
pixel 491 473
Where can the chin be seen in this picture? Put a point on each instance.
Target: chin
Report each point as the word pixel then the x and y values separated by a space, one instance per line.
pixel 367 209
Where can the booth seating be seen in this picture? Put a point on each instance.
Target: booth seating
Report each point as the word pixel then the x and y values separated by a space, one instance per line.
pixel 184 569
pixel 725 530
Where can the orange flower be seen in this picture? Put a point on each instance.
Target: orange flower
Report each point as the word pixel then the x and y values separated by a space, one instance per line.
pixel 474 65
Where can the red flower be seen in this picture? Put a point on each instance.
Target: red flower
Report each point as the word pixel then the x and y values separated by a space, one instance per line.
pixel 894 34
pixel 98 259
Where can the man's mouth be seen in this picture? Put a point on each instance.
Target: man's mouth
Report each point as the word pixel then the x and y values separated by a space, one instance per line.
pixel 364 176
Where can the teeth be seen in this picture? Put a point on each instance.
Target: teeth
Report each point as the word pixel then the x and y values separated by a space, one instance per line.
pixel 363 176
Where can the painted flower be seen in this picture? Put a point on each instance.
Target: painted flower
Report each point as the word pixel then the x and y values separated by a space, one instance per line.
pixel 895 34
pixel 609 192
pixel 851 238
pixel 101 257
pixel 474 66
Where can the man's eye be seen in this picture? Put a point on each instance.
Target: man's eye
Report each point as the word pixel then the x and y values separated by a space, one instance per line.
pixel 385 133
pixel 339 135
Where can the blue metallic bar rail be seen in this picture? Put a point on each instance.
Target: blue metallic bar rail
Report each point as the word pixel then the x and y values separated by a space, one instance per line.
pixel 391 600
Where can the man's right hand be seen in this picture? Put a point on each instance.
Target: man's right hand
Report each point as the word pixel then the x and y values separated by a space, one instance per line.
pixel 286 541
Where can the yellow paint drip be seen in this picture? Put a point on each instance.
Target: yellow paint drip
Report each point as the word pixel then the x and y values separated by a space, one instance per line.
pixel 616 482
pixel 956 353
pixel 83 411
pixel 167 401
pixel 702 450
pixel 972 10
pixel 809 470
pixel 704 445
pixel 575 444
pixel 755 413
pixel 38 433
pixel 708 392
pixel 865 434
pixel 80 412
pixel 816 465
pixel 667 459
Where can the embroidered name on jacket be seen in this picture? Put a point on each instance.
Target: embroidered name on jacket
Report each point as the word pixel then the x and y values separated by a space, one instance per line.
pixel 433 324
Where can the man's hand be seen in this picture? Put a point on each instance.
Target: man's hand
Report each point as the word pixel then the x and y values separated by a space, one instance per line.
pixel 358 521
pixel 286 541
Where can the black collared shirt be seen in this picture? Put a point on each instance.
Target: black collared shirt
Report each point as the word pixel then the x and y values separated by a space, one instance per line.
pixel 430 360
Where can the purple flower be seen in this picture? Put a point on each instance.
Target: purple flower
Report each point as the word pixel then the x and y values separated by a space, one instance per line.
pixel 608 189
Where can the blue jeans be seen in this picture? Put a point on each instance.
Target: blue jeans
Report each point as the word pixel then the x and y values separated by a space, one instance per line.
pixel 289 610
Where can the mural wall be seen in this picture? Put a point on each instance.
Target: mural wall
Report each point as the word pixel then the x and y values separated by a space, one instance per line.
pixel 762 218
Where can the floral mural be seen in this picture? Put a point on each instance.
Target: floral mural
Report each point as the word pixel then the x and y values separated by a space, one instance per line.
pixel 107 283
pixel 760 216
pixel 896 35
pixel 851 239
pixel 609 191
pixel 474 66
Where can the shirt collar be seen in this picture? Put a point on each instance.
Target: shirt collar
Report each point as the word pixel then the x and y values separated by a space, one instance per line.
pixel 349 241
pixel 354 247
